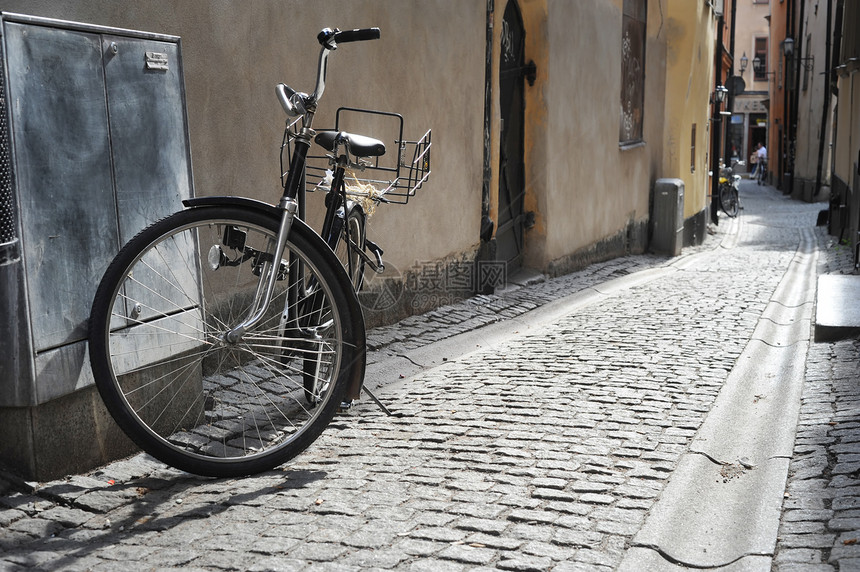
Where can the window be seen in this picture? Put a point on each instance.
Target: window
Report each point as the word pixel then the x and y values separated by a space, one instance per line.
pixel 693 149
pixel 632 70
pixel 761 53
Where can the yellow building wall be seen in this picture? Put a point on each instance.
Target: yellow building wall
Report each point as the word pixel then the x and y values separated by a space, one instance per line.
pixel 535 19
pixel 585 189
pixel 690 37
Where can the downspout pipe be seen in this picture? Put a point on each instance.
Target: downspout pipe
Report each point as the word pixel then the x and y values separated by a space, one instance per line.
pixel 828 78
pixel 731 104
pixel 716 127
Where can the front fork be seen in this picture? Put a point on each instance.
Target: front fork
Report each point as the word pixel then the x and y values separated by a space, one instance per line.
pixel 268 275
pixel 289 205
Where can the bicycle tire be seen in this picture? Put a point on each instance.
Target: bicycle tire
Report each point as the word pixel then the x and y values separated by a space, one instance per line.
pixel 729 200
pixel 173 383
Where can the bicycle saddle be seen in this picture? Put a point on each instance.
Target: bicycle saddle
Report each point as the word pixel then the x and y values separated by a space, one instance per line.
pixel 358 145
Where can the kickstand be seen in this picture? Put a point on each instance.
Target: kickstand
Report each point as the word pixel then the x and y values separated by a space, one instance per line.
pixel 377 401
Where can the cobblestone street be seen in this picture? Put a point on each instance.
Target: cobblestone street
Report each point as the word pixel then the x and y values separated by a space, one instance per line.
pixel 546 450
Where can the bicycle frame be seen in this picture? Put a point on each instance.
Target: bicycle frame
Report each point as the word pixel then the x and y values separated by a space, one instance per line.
pixel 338 207
pixel 349 155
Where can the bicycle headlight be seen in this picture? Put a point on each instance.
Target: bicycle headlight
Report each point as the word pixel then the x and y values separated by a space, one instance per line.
pixel 216 257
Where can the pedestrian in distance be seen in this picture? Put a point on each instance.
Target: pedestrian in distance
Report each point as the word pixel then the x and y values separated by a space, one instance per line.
pixel 761 163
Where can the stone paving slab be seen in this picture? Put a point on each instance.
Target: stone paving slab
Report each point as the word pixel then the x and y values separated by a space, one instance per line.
pixel 735 514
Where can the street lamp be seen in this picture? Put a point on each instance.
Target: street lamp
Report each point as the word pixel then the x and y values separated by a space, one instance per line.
pixel 719 95
pixel 744 62
pixel 759 67
pixel 788 50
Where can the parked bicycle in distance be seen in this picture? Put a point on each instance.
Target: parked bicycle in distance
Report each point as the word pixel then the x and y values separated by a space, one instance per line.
pixel 728 189
pixel 223 338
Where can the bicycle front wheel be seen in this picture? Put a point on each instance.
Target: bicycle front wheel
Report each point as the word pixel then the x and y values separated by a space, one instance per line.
pixel 729 200
pixel 166 370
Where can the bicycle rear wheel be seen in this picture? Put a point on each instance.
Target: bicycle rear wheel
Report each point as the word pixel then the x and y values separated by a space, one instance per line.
pixel 729 200
pixel 168 375
pixel 349 244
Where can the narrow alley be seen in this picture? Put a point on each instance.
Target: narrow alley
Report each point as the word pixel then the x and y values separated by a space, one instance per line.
pixel 543 438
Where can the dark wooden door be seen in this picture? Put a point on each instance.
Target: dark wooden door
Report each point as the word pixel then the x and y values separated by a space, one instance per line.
pixel 509 236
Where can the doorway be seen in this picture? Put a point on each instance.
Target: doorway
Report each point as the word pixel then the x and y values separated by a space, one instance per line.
pixel 511 217
pixel 757 133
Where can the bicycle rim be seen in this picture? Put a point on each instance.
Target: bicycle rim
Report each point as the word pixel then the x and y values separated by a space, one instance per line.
pixel 168 375
pixel 351 242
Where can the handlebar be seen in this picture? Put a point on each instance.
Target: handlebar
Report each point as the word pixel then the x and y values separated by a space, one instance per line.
pixel 297 103
pixel 329 38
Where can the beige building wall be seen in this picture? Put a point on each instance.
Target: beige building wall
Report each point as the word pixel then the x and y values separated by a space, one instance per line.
pixel 844 221
pixel 847 141
pixel 428 66
pixel 590 196
pixel 810 84
pixel 752 23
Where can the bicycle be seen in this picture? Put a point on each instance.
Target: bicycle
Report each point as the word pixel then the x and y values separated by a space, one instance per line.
pixel 761 171
pixel 224 337
pixel 728 189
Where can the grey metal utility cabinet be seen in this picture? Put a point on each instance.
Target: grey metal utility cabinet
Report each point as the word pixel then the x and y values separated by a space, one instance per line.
pixel 94 146
pixel 667 218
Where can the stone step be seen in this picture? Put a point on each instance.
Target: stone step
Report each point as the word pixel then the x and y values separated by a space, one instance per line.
pixel 837 307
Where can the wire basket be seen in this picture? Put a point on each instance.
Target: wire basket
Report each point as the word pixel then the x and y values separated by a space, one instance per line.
pixel 392 177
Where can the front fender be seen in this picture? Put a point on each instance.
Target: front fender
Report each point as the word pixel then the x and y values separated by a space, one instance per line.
pixel 233 201
pixel 243 202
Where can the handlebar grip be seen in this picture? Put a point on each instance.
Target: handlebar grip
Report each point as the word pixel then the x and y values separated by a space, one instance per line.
pixel 356 35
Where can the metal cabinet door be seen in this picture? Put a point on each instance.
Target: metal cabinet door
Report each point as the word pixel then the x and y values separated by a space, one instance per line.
pixel 63 171
pixel 150 155
pixel 147 123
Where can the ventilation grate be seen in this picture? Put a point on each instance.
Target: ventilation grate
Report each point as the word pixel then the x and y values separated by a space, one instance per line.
pixel 8 228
